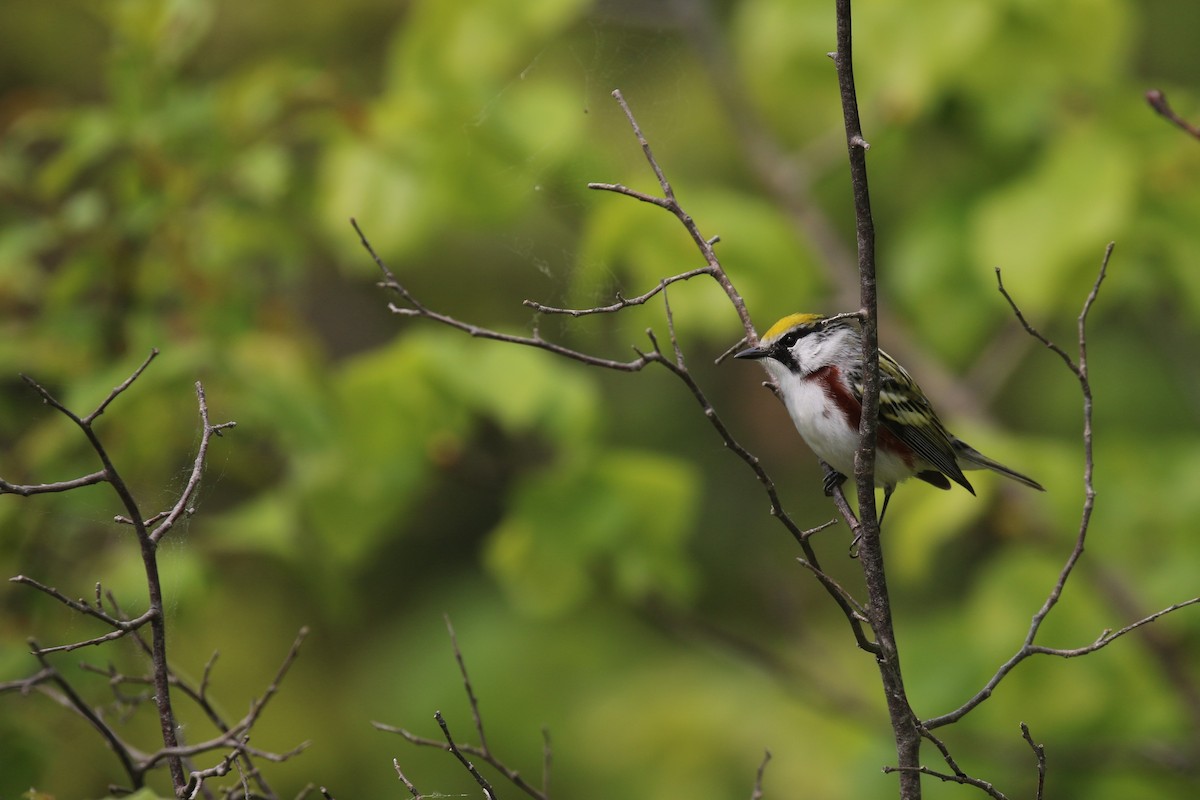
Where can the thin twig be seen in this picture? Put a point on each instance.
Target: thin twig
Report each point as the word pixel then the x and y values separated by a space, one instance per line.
pixel 197 778
pixel 183 504
pixel 60 486
pixel 964 780
pixel 160 669
pixel 404 779
pixel 488 791
pixel 1158 101
pixel 757 793
pixel 414 308
pixel 1108 637
pixel 959 776
pixel 26 685
pixel 82 607
pixel 622 302
pixel 125 384
pixel 669 202
pixel 127 755
pixel 471 699
pixel 1039 752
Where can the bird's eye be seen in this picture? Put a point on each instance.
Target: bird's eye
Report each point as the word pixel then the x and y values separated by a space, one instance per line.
pixel 790 338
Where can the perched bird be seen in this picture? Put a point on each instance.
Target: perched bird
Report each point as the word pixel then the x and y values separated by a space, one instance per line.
pixel 817 364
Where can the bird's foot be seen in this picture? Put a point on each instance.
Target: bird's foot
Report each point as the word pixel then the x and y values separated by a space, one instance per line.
pixel 833 479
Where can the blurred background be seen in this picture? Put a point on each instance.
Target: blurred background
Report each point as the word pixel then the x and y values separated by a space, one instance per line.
pixel 181 175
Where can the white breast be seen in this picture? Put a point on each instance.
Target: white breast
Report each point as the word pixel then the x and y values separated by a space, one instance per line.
pixel 828 434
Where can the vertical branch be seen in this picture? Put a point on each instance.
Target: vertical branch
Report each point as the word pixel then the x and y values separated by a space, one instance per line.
pixel 161 677
pixel 904 723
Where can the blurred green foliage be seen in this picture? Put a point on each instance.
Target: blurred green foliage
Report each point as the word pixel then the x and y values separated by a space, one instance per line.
pixel 181 174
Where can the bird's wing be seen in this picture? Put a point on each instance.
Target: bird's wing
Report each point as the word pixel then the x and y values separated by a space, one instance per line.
pixel 906 413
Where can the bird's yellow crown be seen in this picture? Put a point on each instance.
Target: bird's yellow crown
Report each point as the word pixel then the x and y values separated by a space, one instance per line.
pixel 787 323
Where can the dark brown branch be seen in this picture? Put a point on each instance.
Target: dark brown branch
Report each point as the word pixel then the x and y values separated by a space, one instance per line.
pixel 1039 752
pixel 236 734
pixel 162 692
pixel 959 776
pixel 471 698
pixel 488 791
pixel 161 676
pixel 510 774
pixel 125 384
pixel 963 780
pixel 905 728
pixel 1158 101
pixel 482 751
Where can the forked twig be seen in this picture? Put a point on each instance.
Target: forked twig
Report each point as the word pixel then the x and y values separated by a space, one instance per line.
pixel 1079 367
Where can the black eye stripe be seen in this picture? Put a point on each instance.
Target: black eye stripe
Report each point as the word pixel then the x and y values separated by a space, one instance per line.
pixel 791 337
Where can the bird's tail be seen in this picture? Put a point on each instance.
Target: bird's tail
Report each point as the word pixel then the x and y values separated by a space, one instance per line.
pixel 970 458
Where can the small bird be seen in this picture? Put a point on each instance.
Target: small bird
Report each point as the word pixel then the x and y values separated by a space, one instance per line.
pixel 817 364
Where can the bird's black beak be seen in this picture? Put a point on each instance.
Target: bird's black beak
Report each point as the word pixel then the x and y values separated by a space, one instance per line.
pixel 755 352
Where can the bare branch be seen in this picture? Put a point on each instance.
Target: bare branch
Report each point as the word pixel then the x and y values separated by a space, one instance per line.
pixel 482 752
pixel 407 783
pixel 1158 101
pixel 182 506
pixel 71 699
pixel 462 669
pixel 26 685
pixel 757 793
pixel 125 384
pixel 668 201
pixel 197 777
pixel 959 776
pixel 488 791
pixel 44 488
pixel 964 780
pixel 1108 637
pixel 622 302
pixel 236 734
pixel 415 309
pixel 1039 752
